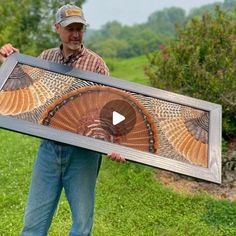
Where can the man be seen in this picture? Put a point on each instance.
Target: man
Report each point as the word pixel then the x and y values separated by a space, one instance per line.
pixel 60 165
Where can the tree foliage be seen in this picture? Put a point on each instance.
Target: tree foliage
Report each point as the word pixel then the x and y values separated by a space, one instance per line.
pixel 29 24
pixel 201 63
pixel 130 41
pixel 226 5
pixel 146 37
pixel 165 21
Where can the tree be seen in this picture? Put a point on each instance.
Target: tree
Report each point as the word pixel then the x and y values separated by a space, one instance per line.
pixel 28 24
pixel 110 47
pixel 164 21
pixel 111 29
pixel 226 5
pixel 229 3
pixel 201 63
pixel 115 40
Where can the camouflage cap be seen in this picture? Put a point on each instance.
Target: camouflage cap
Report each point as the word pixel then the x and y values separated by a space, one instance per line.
pixel 69 14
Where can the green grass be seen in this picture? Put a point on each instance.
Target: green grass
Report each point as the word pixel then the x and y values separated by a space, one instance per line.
pixel 129 69
pixel 130 200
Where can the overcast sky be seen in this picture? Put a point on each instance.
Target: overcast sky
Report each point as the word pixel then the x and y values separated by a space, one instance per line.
pixel 129 12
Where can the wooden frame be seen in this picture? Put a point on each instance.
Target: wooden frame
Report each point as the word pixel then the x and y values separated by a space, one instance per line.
pixel 211 171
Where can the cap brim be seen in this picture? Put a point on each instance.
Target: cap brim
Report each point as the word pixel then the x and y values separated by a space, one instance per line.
pixel 71 20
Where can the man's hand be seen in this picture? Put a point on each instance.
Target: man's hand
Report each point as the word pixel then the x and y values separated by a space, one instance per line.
pixel 6 50
pixel 116 157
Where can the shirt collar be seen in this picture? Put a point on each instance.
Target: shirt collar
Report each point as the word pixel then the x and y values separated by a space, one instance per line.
pixel 70 59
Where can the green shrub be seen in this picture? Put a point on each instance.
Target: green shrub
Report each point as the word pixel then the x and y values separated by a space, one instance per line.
pixel 201 63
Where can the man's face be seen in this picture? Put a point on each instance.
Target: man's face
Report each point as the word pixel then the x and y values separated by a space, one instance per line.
pixel 71 35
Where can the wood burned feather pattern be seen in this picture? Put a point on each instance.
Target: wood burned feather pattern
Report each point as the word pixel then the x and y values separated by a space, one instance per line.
pixel 186 129
pixel 79 112
pixel 165 128
pixel 28 88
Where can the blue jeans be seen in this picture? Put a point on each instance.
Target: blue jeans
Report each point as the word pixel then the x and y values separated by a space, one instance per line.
pixel 62 166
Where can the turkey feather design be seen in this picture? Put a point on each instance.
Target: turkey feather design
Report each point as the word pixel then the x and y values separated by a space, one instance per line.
pixel 164 128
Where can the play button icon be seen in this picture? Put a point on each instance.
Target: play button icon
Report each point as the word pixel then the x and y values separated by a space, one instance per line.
pixel 118 117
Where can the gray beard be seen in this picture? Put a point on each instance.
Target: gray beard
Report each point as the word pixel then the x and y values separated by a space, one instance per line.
pixel 72 46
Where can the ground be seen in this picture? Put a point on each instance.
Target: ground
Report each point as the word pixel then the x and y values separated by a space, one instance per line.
pixel 226 190
pixel 189 185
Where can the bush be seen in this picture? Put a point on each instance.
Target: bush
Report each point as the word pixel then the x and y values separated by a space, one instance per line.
pixel 201 63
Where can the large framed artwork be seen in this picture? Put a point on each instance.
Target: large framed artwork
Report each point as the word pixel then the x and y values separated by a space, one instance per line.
pixel 106 114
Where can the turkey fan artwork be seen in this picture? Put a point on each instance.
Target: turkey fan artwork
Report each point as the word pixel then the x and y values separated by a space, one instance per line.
pixel 62 101
pixel 75 106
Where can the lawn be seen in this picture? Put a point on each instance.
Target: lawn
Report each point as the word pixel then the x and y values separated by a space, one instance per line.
pixel 129 69
pixel 130 200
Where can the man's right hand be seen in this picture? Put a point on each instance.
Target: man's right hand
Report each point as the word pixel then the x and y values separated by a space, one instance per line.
pixel 6 50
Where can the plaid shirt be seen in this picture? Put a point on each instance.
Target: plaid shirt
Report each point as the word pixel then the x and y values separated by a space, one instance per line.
pixel 83 59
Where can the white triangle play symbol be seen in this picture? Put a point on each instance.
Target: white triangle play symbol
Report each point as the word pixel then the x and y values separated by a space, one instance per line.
pixel 117 118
